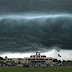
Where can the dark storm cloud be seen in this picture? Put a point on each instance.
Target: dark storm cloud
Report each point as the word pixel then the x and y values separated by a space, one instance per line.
pixel 32 34
pixel 18 35
pixel 36 5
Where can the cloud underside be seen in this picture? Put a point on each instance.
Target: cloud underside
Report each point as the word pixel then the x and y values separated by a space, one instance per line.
pixel 21 33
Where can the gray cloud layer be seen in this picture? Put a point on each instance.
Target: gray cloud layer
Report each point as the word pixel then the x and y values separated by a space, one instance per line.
pixel 25 34
pixel 36 5
pixel 22 34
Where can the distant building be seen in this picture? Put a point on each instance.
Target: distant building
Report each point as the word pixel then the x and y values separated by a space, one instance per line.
pixel 37 60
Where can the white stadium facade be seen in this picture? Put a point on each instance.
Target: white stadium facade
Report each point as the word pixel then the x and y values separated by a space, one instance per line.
pixel 33 60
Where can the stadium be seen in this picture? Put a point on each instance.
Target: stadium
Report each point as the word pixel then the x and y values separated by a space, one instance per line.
pixel 33 60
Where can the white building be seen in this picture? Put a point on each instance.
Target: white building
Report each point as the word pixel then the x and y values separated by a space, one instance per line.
pixel 32 60
pixel 38 59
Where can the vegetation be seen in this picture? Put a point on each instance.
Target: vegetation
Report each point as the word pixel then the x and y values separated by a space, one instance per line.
pixel 37 69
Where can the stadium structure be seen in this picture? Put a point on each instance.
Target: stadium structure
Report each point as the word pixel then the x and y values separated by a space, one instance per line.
pixel 33 60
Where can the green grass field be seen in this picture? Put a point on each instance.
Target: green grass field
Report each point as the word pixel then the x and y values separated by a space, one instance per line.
pixel 37 69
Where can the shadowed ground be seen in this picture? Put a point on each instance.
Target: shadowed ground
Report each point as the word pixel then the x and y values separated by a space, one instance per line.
pixel 37 69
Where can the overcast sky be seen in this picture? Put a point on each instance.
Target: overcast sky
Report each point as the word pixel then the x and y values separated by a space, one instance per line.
pixel 35 5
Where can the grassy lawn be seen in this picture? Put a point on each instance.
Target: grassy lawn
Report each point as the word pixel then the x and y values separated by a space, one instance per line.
pixel 37 69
